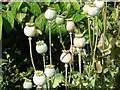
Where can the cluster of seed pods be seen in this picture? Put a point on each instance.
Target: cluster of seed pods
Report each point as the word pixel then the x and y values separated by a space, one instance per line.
pixel 40 77
pixel 94 8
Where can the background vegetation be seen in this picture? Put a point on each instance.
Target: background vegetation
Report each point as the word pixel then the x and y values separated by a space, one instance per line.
pixel 15 49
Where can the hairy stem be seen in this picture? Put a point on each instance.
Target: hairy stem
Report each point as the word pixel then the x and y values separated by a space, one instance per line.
pixel 71 41
pixel 61 41
pixel 89 34
pixel 79 61
pixel 31 53
pixel 50 53
pixel 66 67
pixel 96 41
pixel 44 60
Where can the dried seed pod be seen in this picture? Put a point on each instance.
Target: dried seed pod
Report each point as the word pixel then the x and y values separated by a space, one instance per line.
pixel 66 56
pixel 27 84
pixel 93 11
pixel 59 20
pixel 49 70
pixel 70 25
pixel 99 3
pixel 79 41
pixel 41 47
pixel 29 30
pixel 39 78
pixel 86 8
pixel 50 14
pixel 98 67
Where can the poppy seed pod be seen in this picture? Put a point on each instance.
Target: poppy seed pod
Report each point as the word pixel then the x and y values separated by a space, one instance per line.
pixel 79 41
pixel 41 47
pixel 50 14
pixel 59 20
pixel 66 56
pixel 70 25
pixel 27 84
pixel 29 30
pixel 99 3
pixel 39 78
pixel 74 49
pixel 49 70
pixel 86 8
pixel 93 11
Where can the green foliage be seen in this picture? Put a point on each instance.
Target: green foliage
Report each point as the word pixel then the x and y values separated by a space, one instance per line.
pixel 13 19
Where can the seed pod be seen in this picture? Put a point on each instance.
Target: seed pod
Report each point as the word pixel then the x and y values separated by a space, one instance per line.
pixel 27 84
pixel 79 41
pixel 86 8
pixel 98 67
pixel 29 30
pixel 70 25
pixel 39 78
pixel 50 14
pixel 41 47
pixel 49 70
pixel 99 3
pixel 66 56
pixel 59 20
pixel 74 49
pixel 93 11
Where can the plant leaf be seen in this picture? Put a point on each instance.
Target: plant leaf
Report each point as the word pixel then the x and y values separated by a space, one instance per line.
pixel 58 78
pixel 34 8
pixel 8 21
pixel 75 5
pixel 78 17
pixel 40 22
pixel 20 16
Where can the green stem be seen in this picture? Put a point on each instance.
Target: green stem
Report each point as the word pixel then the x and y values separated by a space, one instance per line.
pixel 71 41
pixel 50 53
pixel 39 87
pixel 79 61
pixel 89 33
pixel 31 53
pixel 50 83
pixel 44 60
pixel 66 67
pixel 61 41
pixel 119 18
pixel 96 41
pixel 93 32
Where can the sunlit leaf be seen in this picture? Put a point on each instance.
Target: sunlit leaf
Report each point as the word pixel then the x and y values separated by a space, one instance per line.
pixel 8 21
pixel 77 17
pixel 40 22
pixel 34 8
pixel 58 78
pixel 21 16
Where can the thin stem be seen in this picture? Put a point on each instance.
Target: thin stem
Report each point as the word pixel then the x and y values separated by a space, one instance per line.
pixel 61 41
pixel 50 53
pixel 44 60
pixel 93 32
pixel 50 83
pixel 119 19
pixel 71 41
pixel 39 87
pixel 79 61
pixel 96 41
pixel 66 67
pixel 31 53
pixel 89 34
pixel 115 11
